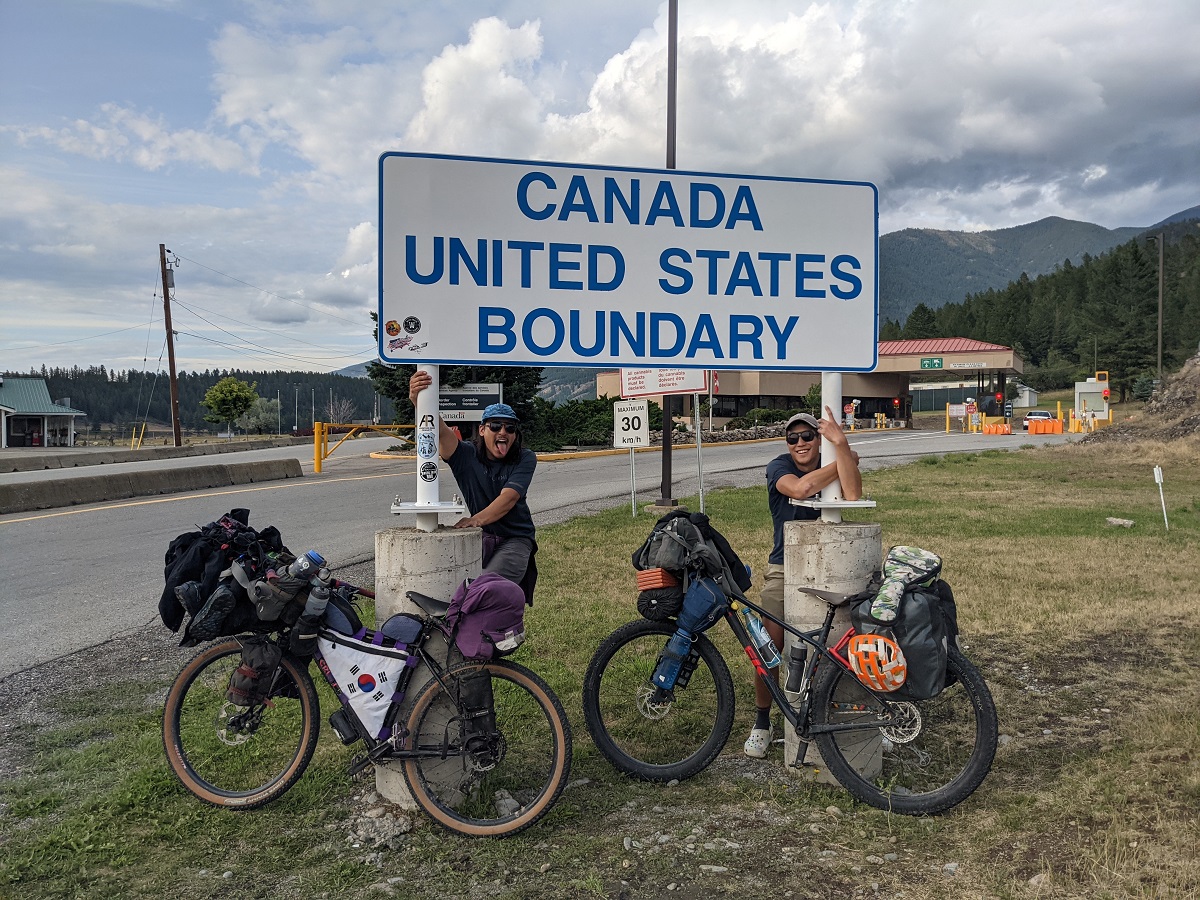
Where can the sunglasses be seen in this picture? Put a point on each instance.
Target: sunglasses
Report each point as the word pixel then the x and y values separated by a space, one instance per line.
pixel 807 436
pixel 497 426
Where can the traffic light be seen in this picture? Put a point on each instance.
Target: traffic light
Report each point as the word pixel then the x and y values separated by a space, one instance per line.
pixel 999 396
pixel 1104 394
pixel 895 403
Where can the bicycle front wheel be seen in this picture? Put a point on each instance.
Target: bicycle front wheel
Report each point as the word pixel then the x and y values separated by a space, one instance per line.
pixel 493 774
pixel 239 756
pixel 643 732
pixel 907 756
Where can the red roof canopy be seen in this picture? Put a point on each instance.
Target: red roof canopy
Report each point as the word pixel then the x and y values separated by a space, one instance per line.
pixel 935 345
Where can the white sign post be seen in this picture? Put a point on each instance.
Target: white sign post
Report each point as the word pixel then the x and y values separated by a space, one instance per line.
pixel 631 428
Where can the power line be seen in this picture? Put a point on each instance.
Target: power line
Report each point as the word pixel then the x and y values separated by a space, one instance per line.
pixel 269 293
pixel 243 348
pixel 259 346
pixel 213 312
pixel 77 340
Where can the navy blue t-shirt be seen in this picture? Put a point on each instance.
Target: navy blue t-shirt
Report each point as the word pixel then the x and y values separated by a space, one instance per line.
pixel 481 483
pixel 782 509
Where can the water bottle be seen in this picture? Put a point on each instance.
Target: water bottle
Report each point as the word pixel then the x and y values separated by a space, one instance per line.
pixel 307 566
pixel 318 596
pixel 797 657
pixel 673 656
pixel 758 634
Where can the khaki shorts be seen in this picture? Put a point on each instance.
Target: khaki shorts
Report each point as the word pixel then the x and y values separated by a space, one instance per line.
pixel 771 597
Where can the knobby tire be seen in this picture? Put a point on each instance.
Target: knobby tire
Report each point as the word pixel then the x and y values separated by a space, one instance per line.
pixel 930 757
pixel 646 739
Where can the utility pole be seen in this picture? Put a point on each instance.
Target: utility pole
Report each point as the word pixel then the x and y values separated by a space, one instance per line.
pixel 168 282
pixel 668 400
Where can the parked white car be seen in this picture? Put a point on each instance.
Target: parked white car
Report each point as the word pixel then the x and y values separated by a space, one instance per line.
pixel 1036 414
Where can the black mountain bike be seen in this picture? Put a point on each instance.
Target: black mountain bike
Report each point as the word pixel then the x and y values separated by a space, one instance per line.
pixel 479 774
pixel 908 756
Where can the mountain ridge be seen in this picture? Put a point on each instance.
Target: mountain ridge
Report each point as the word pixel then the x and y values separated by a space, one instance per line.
pixel 936 267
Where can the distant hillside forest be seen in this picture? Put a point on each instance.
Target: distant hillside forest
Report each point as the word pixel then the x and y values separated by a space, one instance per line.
pixel 124 398
pixel 1100 314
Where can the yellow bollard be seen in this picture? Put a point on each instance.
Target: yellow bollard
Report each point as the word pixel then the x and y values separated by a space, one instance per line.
pixel 317 448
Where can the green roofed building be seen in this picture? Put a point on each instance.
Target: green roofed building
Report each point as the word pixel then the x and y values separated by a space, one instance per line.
pixel 29 418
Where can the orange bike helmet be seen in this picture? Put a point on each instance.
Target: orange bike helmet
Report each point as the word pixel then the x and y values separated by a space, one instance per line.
pixel 878 661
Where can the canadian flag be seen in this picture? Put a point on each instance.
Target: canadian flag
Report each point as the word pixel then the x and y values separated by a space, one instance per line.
pixel 716 384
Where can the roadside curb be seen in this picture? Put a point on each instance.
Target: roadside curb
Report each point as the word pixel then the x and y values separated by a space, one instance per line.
pixel 34 495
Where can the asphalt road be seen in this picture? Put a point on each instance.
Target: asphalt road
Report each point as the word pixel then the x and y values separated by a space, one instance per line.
pixel 77 577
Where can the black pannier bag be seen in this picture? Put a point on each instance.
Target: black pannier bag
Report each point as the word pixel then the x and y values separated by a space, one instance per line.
pixel 915 608
pixel 250 682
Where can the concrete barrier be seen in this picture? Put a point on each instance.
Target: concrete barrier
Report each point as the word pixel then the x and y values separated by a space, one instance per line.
pixel 122 486
pixel 19 460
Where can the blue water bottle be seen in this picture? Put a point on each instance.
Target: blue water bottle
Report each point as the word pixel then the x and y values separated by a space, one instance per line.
pixel 767 651
pixel 676 651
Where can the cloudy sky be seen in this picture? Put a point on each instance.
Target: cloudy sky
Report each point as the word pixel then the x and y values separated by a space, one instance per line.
pixel 245 136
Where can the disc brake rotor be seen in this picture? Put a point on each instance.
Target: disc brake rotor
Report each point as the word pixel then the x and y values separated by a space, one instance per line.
pixel 648 706
pixel 906 723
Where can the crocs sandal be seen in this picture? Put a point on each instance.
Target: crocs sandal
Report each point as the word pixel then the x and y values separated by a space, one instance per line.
pixel 758 742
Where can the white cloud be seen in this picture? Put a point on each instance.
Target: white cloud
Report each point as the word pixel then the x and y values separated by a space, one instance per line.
pixel 123 135
pixel 975 115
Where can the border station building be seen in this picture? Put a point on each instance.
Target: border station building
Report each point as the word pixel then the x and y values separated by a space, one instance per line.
pixel 946 370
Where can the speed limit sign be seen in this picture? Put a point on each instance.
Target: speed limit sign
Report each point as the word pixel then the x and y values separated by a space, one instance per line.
pixel 631 424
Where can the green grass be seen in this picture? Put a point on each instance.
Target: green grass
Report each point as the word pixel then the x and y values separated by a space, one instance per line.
pixel 1085 632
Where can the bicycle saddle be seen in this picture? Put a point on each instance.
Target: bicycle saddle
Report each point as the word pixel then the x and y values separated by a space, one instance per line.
pixel 431 605
pixel 835 599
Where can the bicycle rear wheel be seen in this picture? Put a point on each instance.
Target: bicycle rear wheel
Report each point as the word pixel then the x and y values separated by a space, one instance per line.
pixel 238 756
pixel 485 777
pixel 924 756
pixel 642 732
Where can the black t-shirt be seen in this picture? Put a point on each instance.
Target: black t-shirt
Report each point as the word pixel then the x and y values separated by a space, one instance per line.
pixel 782 509
pixel 481 483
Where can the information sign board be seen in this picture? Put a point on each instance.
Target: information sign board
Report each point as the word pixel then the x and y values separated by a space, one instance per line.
pixel 931 362
pixel 631 424
pixel 511 262
pixel 652 382
pixel 468 402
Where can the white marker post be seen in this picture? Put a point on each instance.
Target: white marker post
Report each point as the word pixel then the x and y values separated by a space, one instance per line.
pixel 1158 479
pixel 428 504
pixel 631 428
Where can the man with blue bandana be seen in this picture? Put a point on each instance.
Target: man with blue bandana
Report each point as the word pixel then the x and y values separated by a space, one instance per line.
pixel 493 472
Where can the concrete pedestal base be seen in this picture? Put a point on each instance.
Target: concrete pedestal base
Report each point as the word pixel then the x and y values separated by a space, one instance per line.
pixel 431 563
pixel 832 557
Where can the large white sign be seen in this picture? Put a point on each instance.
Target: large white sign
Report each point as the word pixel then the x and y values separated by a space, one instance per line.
pixel 507 262
pixel 631 423
pixel 654 382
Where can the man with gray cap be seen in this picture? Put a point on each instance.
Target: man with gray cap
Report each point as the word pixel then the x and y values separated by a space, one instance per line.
pixel 797 474
pixel 493 472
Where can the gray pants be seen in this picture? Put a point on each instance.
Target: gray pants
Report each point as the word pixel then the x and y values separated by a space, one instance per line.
pixel 511 559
